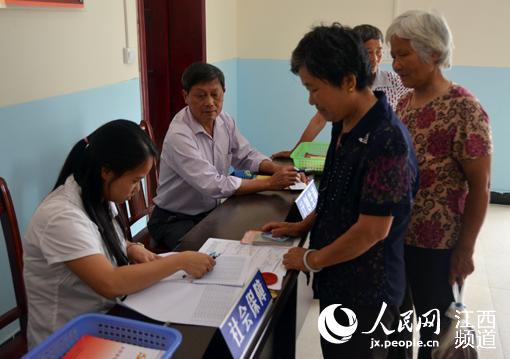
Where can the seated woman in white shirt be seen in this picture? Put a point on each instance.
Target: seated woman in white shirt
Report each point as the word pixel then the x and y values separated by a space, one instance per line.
pixel 76 258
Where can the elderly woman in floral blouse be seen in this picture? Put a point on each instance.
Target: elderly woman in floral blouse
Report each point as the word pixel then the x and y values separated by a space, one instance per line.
pixel 451 135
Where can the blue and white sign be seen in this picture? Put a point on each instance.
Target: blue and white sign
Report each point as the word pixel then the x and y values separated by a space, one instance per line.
pixel 240 325
pixel 307 200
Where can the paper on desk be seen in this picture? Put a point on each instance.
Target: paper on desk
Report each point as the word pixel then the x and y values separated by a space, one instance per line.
pixel 176 299
pixel 229 270
pixel 264 258
pixel 180 301
pixel 298 186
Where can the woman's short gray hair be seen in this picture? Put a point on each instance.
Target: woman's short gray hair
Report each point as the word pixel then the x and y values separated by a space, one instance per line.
pixel 428 34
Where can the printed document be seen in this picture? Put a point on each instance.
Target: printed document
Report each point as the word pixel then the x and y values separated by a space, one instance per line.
pixel 180 299
pixel 263 258
pixel 229 270
pixel 177 300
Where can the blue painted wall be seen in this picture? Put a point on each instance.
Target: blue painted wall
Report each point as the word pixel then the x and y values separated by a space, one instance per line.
pixel 36 137
pixel 230 70
pixel 273 107
pixel 492 87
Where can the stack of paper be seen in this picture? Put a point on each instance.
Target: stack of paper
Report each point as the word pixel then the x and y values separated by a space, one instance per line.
pixel 229 270
pixel 263 258
pixel 206 301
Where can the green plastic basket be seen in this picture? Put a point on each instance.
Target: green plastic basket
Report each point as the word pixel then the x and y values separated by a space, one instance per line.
pixel 310 163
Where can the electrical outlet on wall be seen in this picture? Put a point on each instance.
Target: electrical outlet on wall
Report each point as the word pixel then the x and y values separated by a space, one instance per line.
pixel 129 55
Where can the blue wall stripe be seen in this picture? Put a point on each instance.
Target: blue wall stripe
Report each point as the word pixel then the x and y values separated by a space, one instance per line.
pixel 273 108
pixel 230 70
pixel 36 137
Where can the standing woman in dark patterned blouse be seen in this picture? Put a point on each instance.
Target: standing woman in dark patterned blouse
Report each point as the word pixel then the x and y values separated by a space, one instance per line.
pixel 365 195
pixel 451 135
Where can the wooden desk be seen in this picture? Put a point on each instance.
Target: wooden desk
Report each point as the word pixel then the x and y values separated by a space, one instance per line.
pixel 277 335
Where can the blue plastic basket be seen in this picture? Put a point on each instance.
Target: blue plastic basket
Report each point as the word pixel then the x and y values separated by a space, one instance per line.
pixel 108 327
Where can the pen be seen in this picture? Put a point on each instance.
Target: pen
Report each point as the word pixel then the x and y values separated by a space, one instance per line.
pixel 214 255
pixel 299 170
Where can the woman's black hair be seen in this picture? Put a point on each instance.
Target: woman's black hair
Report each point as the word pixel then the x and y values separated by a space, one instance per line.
pixel 119 146
pixel 330 53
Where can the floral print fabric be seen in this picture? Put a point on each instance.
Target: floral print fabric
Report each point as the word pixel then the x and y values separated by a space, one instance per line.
pixel 449 129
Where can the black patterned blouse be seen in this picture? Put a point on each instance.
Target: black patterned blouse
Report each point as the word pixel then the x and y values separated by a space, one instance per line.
pixel 372 171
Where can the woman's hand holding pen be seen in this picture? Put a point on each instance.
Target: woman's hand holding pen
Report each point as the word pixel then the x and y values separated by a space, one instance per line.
pixel 196 264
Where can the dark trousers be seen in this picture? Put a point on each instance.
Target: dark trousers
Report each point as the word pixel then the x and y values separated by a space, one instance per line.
pixel 428 288
pixel 406 335
pixel 427 275
pixel 359 346
pixel 168 228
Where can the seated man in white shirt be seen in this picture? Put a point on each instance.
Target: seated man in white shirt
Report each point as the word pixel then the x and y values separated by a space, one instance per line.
pixel 201 145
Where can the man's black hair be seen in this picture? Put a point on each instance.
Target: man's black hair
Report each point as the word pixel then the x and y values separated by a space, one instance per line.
pixel 368 32
pixel 199 72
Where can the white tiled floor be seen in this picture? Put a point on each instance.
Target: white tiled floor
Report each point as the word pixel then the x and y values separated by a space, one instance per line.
pixel 488 288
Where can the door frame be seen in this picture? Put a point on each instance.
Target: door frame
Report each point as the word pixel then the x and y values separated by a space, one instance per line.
pixel 181 40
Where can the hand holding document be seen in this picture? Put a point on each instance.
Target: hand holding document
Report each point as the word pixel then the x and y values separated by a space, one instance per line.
pixel 259 238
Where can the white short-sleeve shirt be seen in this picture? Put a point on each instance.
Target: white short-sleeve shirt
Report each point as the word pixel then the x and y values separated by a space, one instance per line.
pixel 60 231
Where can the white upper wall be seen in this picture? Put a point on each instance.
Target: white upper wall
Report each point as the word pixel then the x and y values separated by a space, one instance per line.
pixel 271 29
pixel 221 29
pixel 479 29
pixel 51 52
